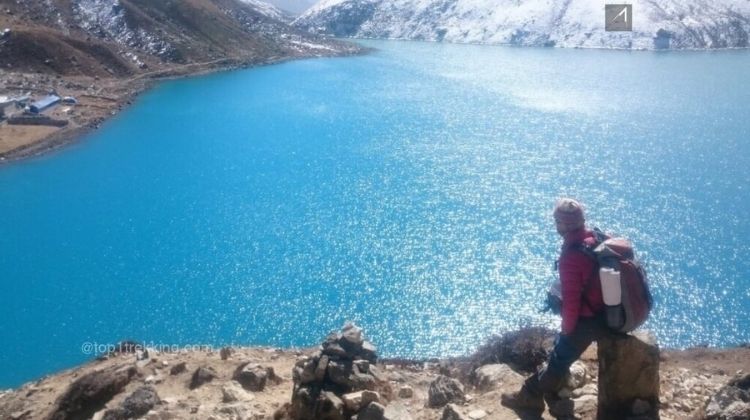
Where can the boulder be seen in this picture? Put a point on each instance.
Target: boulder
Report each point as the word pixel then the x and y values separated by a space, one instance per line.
pixel 445 390
pixel 320 369
pixel 136 405
pixel 91 392
pixel 252 377
pixel 375 372
pixel 178 368
pixel 233 392
pixel 492 376
pixel 363 366
pixel 351 337
pixel 362 381
pixel 308 406
pixel 731 401
pixel 451 412
pixel 628 370
pixel 331 407
pixel 116 413
pixel 303 404
pixel 373 411
pixel 201 376
pixel 339 372
pixel 369 351
pixel 354 401
pixel 140 402
pixel 334 350
pixel 305 371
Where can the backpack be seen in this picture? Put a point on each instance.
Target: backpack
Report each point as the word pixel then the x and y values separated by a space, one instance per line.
pixel 636 300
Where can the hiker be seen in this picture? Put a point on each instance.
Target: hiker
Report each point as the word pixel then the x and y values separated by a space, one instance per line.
pixel 582 313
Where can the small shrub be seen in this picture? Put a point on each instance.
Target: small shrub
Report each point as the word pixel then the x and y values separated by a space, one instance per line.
pixel 524 349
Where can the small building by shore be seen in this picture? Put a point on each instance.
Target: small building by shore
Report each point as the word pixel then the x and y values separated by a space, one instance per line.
pixel 44 103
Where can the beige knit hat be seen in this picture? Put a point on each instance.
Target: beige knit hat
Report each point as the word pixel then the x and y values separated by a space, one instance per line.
pixel 569 212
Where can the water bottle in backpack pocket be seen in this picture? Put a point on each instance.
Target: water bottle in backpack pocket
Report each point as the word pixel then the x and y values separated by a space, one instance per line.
pixel 612 294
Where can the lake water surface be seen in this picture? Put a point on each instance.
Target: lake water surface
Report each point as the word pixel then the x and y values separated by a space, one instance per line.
pixel 409 190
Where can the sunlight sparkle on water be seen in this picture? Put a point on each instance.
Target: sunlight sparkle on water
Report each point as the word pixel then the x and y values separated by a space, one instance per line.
pixel 409 190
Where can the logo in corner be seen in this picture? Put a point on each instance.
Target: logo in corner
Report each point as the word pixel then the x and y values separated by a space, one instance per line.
pixel 618 17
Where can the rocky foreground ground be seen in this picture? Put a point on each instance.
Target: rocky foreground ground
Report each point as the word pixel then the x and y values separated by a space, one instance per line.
pixel 343 378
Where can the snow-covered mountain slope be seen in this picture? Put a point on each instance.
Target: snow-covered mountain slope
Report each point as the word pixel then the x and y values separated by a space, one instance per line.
pixel 124 37
pixel 268 10
pixel 564 23
pixel 294 6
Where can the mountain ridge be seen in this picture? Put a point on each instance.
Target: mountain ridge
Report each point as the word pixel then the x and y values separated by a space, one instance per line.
pixel 668 24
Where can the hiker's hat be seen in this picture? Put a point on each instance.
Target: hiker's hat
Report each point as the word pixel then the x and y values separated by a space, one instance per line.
pixel 569 212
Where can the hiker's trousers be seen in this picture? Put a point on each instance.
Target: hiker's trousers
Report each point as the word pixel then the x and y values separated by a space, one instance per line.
pixel 568 348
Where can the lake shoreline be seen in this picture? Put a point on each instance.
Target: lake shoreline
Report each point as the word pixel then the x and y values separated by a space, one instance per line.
pixel 126 91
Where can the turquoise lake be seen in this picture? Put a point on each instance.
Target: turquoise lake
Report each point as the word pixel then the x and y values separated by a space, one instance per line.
pixel 409 190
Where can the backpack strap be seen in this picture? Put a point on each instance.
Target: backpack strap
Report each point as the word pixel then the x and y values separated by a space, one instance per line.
pixel 587 250
pixel 600 235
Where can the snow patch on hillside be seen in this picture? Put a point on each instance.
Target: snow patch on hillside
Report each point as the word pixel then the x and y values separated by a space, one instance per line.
pixel 267 9
pixel 564 23
pixel 105 19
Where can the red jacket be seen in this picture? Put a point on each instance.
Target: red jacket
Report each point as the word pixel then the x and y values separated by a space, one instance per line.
pixel 576 272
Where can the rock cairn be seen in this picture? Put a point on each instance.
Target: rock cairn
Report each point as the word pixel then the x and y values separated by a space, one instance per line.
pixel 339 381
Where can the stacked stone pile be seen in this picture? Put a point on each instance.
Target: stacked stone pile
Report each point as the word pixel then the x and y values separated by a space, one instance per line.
pixel 339 381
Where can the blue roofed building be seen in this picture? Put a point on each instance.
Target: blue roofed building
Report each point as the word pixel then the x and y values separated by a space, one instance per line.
pixel 44 103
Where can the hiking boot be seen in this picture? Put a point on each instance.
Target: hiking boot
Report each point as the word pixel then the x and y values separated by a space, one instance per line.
pixel 523 400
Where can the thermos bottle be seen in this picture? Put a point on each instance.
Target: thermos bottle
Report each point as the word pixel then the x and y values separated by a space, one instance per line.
pixel 612 294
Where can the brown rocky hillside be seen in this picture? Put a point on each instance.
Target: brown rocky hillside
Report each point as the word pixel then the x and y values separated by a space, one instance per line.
pixel 120 38
pixel 104 52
